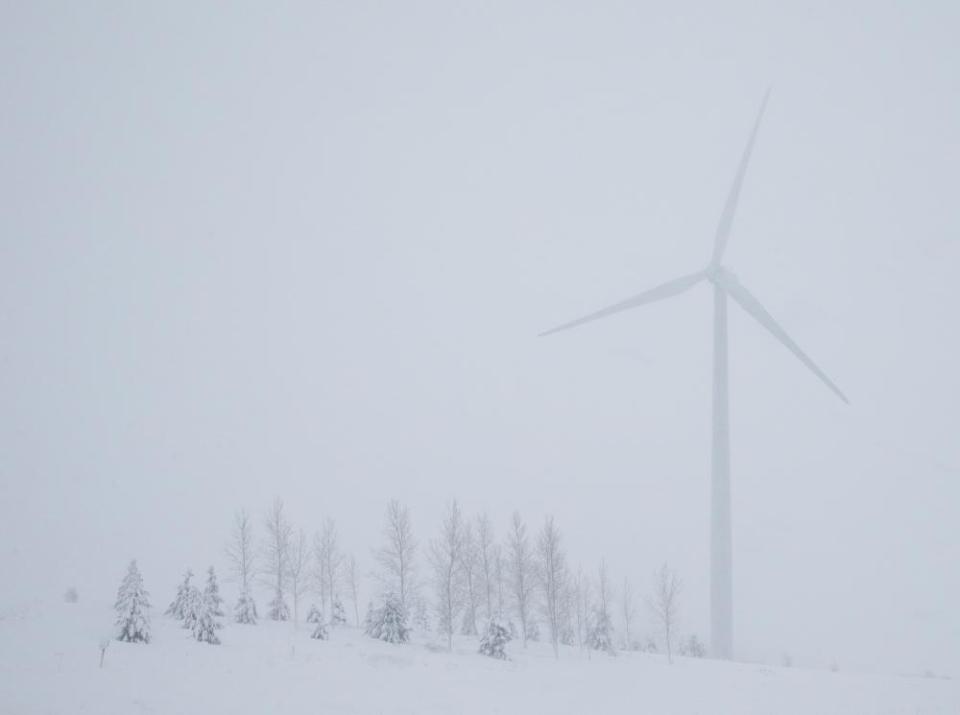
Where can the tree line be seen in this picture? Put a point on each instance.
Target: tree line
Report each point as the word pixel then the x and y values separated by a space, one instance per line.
pixel 462 581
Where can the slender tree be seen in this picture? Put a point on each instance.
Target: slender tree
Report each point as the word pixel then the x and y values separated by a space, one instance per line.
pixel 486 552
pixel 471 576
pixel 242 560
pixel 629 613
pixel 353 582
pixel 397 554
pixel 664 603
pixel 297 570
pixel 276 557
pixel 445 557
pixel 553 573
pixel 498 573
pixel 326 548
pixel 520 565
pixel 568 610
pixel 584 606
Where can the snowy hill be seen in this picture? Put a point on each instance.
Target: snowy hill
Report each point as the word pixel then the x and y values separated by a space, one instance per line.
pixel 49 664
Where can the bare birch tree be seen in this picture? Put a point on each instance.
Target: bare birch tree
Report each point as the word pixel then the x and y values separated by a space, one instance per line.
pixel 239 551
pixel 326 549
pixel 498 573
pixel 445 556
pixel 397 555
pixel 584 608
pixel 629 613
pixel 276 554
pixel 552 575
pixel 520 569
pixel 471 576
pixel 486 552
pixel 297 570
pixel 664 604
pixel 353 582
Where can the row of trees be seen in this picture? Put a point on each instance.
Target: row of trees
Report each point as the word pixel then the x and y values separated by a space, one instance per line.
pixel 526 581
pixel 464 581
pixel 285 562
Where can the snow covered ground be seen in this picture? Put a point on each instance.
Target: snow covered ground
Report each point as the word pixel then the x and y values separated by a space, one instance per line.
pixel 49 664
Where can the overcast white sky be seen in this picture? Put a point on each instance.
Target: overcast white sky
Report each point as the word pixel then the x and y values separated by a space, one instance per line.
pixel 305 251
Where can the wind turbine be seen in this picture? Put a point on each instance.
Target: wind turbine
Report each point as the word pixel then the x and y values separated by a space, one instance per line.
pixel 725 284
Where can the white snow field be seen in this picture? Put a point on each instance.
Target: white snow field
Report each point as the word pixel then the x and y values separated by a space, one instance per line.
pixel 49 664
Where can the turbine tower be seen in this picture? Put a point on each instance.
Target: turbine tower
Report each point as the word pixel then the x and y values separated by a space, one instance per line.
pixel 725 284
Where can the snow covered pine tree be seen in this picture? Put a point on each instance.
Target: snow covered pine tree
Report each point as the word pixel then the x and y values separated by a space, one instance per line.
pixel 494 641
pixel 132 608
pixel 206 623
pixel 246 609
pixel 314 615
pixel 191 607
pixel 389 622
pixel 600 636
pixel 338 617
pixel 320 633
pixel 180 605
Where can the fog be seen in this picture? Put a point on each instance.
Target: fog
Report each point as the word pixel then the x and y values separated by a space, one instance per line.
pixel 306 251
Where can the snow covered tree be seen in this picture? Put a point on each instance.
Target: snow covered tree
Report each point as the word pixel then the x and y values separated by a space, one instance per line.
pixel 520 568
pixel 276 555
pixel 495 639
pixel 278 610
pixel 207 623
pixel 133 608
pixel 182 602
pixel 664 603
pixel 600 635
pixel 421 614
pixel 240 553
pixel 314 615
pixel 211 594
pixel 552 569
pixel 693 648
pixel 446 552
pixel 397 555
pixel 320 631
pixel 338 616
pixel 533 630
pixel 389 622
pixel 191 608
pixel 246 609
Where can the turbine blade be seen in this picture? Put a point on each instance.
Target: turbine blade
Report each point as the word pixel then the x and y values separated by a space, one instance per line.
pixel 667 290
pixel 749 303
pixel 730 208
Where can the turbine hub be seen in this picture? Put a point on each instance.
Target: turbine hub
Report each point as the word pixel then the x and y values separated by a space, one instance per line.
pixel 720 275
